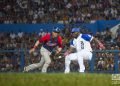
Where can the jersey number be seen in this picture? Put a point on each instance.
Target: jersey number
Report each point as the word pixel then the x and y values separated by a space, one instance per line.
pixel 82 45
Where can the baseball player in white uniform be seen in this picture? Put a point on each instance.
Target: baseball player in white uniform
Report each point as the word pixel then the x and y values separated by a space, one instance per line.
pixel 80 42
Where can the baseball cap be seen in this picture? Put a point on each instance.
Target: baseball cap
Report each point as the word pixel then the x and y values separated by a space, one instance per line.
pixel 75 30
pixel 57 30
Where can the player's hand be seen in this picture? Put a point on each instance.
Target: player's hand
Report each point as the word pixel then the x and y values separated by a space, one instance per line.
pixel 66 53
pixel 31 50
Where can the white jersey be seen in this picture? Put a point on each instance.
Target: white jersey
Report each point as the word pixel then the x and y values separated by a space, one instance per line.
pixel 82 42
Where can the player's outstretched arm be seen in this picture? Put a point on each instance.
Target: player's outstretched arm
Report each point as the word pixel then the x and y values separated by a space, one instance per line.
pixel 101 46
pixel 35 46
pixel 70 50
pixel 42 39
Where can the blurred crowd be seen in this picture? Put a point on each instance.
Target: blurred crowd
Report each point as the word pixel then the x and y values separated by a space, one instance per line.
pixel 11 61
pixel 58 11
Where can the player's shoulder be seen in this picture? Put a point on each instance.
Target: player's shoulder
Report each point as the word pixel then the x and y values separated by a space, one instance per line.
pixel 47 34
pixel 72 41
pixel 86 37
pixel 59 37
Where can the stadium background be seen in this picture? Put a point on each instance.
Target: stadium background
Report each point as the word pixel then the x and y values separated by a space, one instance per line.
pixel 24 21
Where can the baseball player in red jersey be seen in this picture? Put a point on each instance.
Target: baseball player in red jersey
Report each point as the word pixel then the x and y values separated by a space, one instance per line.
pixel 49 43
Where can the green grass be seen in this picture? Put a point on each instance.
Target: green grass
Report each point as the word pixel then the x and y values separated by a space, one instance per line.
pixel 57 79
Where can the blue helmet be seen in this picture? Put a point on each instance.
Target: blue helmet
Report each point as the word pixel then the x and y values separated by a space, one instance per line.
pixel 57 30
pixel 75 30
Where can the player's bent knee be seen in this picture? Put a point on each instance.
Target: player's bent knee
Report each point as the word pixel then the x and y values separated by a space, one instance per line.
pixel 48 62
pixel 67 58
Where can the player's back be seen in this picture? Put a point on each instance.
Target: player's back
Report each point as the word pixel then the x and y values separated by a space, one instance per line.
pixel 83 42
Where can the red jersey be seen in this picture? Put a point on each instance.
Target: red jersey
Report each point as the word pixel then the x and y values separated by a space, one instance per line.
pixel 50 43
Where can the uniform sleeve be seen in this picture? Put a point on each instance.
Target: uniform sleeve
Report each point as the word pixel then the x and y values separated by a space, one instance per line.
pixel 71 43
pixel 87 37
pixel 60 44
pixel 44 38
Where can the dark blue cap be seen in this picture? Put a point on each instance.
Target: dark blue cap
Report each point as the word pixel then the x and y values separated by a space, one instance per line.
pixel 57 30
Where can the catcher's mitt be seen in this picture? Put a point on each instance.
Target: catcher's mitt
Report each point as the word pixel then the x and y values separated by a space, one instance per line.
pixel 55 56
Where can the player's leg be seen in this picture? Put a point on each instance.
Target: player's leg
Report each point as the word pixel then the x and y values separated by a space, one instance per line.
pixel 87 55
pixel 81 64
pixel 81 61
pixel 46 56
pixel 35 65
pixel 68 60
pixel 83 55
pixel 47 63
pixel 67 64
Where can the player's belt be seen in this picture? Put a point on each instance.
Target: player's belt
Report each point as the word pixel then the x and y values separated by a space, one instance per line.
pixel 47 48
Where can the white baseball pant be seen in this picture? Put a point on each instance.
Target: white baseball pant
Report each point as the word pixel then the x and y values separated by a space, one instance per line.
pixel 80 57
